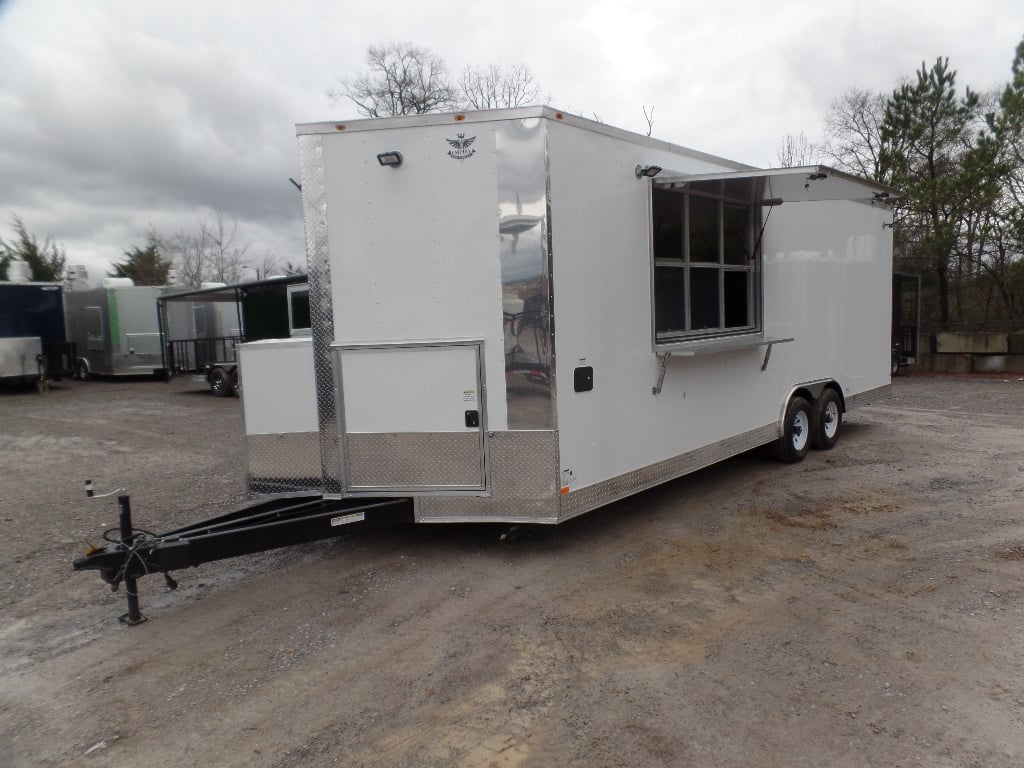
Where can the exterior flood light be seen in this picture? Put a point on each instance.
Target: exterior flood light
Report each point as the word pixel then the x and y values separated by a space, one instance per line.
pixel 647 171
pixel 391 159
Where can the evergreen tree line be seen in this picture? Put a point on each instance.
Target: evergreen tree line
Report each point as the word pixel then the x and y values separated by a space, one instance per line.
pixel 211 254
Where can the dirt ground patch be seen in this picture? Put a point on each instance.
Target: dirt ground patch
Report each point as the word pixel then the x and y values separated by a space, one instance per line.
pixel 862 608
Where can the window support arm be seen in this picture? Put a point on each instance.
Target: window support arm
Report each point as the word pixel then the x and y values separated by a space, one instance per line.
pixel 716 346
pixel 656 389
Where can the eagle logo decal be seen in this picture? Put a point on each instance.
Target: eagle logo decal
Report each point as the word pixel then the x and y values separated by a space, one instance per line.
pixel 461 147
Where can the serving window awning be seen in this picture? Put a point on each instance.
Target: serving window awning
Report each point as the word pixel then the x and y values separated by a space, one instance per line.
pixel 807 183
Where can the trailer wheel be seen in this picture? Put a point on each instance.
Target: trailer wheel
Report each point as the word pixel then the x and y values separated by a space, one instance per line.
pixel 220 382
pixel 236 388
pixel 796 432
pixel 827 420
pixel 894 366
pixel 81 370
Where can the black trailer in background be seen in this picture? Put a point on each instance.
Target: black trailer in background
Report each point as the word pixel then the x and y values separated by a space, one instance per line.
pixel 906 319
pixel 33 336
pixel 200 329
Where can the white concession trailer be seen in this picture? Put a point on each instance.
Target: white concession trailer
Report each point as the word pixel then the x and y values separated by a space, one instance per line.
pixel 522 315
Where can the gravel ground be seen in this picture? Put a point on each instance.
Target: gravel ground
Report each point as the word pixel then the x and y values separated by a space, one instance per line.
pixel 862 608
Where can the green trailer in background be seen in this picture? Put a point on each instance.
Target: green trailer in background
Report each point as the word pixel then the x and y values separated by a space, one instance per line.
pixel 115 329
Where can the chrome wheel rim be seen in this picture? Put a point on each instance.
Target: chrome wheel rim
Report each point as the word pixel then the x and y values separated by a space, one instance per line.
pixel 800 430
pixel 830 419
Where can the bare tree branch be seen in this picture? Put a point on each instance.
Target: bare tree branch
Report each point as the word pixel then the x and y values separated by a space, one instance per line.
pixel 210 254
pixel 853 132
pixel 226 256
pixel 266 266
pixel 403 79
pixel 649 117
pixel 497 87
pixel 798 150
pixel 189 254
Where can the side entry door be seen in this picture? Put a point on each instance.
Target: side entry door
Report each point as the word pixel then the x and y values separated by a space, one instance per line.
pixel 412 418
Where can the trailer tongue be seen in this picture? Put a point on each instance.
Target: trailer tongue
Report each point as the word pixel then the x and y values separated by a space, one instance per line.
pixel 270 525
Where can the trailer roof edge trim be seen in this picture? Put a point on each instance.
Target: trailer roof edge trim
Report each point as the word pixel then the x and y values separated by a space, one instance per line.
pixel 456 119
pixel 808 183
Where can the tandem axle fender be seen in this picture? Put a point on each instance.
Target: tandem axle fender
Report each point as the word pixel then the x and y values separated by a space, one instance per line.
pixel 270 525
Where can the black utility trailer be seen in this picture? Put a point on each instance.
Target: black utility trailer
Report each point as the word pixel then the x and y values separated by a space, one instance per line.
pixel 200 329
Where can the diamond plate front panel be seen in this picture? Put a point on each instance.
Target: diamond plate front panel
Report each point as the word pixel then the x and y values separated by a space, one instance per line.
pixel 414 460
pixel 524 472
pixel 283 463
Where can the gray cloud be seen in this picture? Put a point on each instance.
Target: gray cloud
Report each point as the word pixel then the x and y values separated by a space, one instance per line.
pixel 120 115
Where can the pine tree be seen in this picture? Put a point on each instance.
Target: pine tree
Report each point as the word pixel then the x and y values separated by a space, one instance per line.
pixel 145 266
pixel 46 261
pixel 936 154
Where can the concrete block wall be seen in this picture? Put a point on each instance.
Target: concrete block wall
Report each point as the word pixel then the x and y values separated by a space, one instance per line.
pixel 971 343
pixel 973 353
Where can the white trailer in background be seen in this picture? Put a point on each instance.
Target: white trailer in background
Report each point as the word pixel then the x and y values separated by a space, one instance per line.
pixel 521 315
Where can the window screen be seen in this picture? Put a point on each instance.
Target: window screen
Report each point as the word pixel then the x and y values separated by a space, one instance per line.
pixel 705 247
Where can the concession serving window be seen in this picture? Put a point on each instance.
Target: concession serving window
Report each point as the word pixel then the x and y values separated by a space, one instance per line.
pixel 706 260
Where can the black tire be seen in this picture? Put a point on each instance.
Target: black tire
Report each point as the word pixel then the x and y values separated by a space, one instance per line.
pixel 826 421
pixel 236 388
pixel 894 365
pixel 220 382
pixel 796 432
pixel 81 370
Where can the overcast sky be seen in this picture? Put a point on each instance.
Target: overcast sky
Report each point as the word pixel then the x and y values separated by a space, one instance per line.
pixel 117 115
